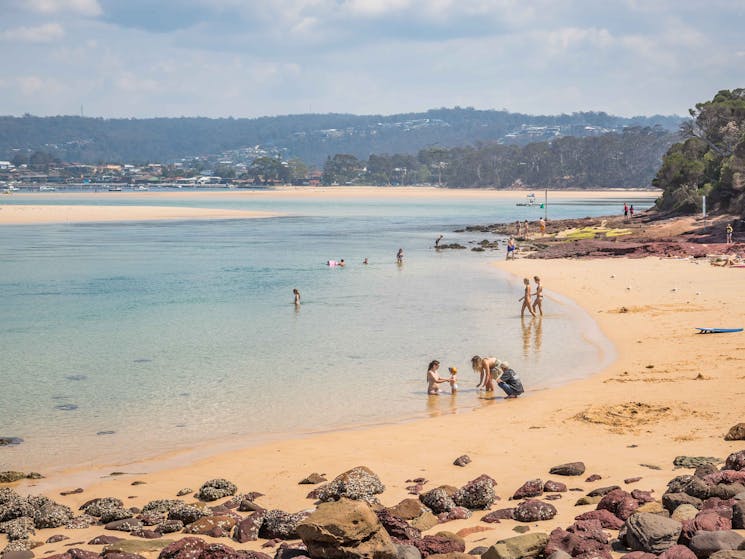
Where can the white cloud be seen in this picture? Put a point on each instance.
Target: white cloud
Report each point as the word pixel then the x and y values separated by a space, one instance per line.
pixel 40 34
pixel 81 7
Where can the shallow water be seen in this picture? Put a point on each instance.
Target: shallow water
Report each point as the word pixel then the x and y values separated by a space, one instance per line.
pixel 126 340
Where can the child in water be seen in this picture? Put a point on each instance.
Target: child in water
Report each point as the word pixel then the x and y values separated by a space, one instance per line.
pixel 453 379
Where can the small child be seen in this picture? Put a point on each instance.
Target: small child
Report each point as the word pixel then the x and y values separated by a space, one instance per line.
pixel 453 379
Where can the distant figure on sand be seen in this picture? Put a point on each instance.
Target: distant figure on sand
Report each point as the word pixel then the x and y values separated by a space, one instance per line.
pixel 485 367
pixel 507 379
pixel 433 379
pixel 527 303
pixel 517 228
pixel 538 302
pixel 365 260
pixel 296 293
pixel 400 256
pixel 542 225
pixel 525 224
pixel 625 210
pixel 631 211
pixel 453 379
pixel 437 241
pixel 729 233
pixel 510 249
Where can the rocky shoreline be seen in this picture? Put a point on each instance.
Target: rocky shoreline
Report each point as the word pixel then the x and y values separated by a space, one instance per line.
pixel 647 234
pixel 697 516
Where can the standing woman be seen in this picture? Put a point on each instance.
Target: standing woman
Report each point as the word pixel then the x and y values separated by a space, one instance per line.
pixel 486 368
pixel 296 293
pixel 400 256
pixel 538 302
pixel 526 299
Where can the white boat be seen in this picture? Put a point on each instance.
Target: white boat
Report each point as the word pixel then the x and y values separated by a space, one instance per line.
pixel 529 202
pixel 142 188
pixel 115 189
pixel 47 188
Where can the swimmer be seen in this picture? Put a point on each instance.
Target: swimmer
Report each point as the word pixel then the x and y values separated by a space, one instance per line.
pixel 296 293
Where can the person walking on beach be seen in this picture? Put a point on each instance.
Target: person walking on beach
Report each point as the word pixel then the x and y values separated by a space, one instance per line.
pixel 538 302
pixel 625 211
pixel 433 379
pixel 485 367
pixel 542 225
pixel 507 379
pixel 631 211
pixel 296 293
pixel 526 299
pixel 400 256
pixel 729 233
pixel 510 249
pixel 437 241
pixel 525 224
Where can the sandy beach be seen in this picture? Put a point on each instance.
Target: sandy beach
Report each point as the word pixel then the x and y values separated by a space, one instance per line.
pixel 670 392
pixel 31 214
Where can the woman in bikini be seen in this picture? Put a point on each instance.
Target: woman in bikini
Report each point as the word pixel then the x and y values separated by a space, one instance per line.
pixel 526 299
pixel 538 302
pixel 486 368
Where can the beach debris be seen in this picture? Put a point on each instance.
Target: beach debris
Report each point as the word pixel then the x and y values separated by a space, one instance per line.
pixel 532 488
pixel 524 546
pixel 215 489
pixel 476 494
pixel 736 433
pixel 71 492
pixel 552 497
pixel 313 479
pixel 462 460
pixel 345 528
pixel 593 477
pixel 651 466
pixel 7 441
pixel 101 433
pixel 56 538
pixel 184 491
pixel 534 510
pixel 630 480
pixel 359 483
pixel 569 469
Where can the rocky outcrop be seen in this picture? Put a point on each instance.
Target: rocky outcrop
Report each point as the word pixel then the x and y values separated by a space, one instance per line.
pixel 650 532
pixel 476 494
pixel 345 529
pixel 359 483
pixel 215 489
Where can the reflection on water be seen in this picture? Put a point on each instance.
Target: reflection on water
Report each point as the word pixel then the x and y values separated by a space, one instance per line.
pixel 441 404
pixel 532 330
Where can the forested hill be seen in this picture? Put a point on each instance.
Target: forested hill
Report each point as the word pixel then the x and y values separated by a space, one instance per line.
pixel 310 137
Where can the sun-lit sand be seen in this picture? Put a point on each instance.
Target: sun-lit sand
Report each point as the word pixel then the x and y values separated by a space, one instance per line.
pixel 669 392
pixel 23 214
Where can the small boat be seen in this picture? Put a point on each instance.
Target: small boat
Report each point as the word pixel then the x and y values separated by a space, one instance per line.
pixel 529 202
pixel 717 330
pixel 142 188
pixel 47 188
pixel 115 189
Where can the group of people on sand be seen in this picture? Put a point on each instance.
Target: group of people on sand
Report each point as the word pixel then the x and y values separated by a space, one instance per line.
pixel 530 303
pixel 490 370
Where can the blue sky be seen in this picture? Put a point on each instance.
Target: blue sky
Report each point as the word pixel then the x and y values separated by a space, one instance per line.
pixel 243 58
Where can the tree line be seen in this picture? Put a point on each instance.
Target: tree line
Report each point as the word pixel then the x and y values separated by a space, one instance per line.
pixel 624 160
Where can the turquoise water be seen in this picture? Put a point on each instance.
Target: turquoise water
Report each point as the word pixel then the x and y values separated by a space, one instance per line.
pixel 121 341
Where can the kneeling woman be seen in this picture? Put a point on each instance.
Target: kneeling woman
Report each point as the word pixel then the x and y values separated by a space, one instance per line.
pixel 486 369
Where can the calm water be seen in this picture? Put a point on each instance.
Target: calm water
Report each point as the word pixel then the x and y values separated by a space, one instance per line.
pixel 126 340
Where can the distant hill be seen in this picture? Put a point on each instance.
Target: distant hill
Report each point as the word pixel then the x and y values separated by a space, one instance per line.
pixel 310 137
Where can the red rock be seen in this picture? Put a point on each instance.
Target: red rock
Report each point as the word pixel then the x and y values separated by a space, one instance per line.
pixel 677 552
pixel 606 518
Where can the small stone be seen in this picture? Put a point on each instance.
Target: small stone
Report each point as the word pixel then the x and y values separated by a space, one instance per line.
pixel 569 469
pixel 184 491
pixel 629 480
pixel 593 477
pixel 462 460
pixel 71 492
pixel 313 479
pixel 736 433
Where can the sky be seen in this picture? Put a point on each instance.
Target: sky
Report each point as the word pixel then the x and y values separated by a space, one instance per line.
pixel 251 58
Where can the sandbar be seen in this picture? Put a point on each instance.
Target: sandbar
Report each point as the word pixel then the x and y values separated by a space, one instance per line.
pixel 22 214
